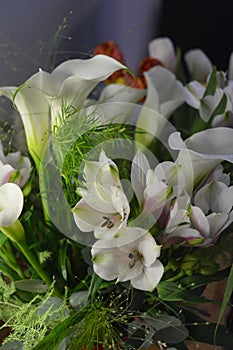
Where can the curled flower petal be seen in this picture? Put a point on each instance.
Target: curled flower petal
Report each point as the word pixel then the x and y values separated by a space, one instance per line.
pixel 11 204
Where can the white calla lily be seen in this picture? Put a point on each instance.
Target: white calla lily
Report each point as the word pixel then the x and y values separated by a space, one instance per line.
pixel 11 205
pixel 202 152
pixel 47 94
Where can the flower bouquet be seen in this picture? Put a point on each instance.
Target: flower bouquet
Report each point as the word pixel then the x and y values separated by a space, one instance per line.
pixel 119 216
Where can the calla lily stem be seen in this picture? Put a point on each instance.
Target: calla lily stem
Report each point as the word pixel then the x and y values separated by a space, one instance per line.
pixel 35 264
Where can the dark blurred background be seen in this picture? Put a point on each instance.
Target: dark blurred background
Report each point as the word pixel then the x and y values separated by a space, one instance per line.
pixel 204 24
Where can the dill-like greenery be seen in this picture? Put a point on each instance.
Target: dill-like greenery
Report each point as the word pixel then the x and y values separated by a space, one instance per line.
pixel 80 137
pixel 30 322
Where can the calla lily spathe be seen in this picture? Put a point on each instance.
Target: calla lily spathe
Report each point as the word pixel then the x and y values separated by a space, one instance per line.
pixel 11 205
pixel 42 99
pixel 202 152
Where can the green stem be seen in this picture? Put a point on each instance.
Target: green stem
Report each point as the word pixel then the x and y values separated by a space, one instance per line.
pixel 8 256
pixel 12 265
pixel 34 263
pixel 176 277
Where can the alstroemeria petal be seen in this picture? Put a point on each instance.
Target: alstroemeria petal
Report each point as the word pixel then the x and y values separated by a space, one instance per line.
pixel 170 91
pixel 139 169
pixel 193 93
pixel 86 217
pixel 105 262
pixel 199 65
pixel 218 222
pixel 224 202
pixel 5 172
pixel 199 221
pixel 149 278
pixel 11 204
pixel 122 93
pixel 208 194
pixel 209 103
pixel 163 50
pixel 149 250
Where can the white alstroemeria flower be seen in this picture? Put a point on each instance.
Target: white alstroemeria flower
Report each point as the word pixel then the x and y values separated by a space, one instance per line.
pixel 104 207
pixel 212 212
pixel 223 120
pixel 14 168
pixel 11 205
pixel 163 50
pixel 135 261
pixel 194 91
pixel 104 210
pixel 152 187
pixel 164 95
pixel 195 97
pixel 199 65
pixel 47 94
pixel 177 225
pixel 202 152
pixel 104 172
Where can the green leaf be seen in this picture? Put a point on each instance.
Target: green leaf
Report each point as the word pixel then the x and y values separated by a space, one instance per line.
pixel 3 239
pixel 198 280
pixel 171 335
pixel 226 298
pixel 95 284
pixel 58 333
pixel 202 331
pixel 62 258
pixel 34 286
pixel 170 291
pixel 212 84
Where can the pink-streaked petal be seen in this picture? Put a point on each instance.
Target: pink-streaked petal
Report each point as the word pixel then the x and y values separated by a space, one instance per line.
pixel 5 173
